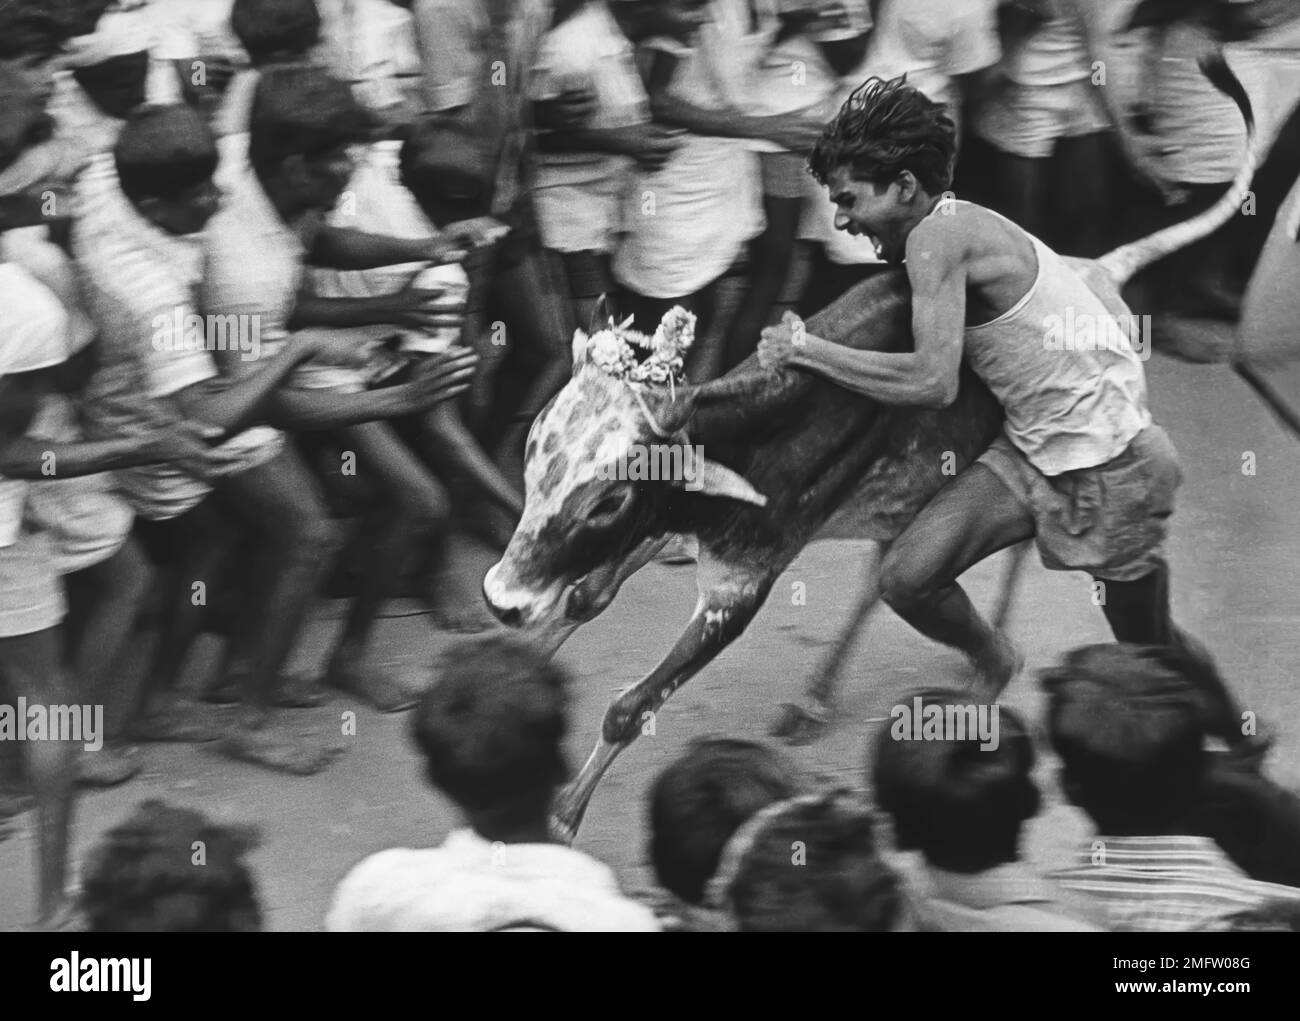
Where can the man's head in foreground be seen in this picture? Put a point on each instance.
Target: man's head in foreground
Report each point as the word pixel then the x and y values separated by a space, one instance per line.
pixel 885 159
pixel 699 801
pixel 168 869
pixel 491 730
pixel 959 802
pixel 1127 724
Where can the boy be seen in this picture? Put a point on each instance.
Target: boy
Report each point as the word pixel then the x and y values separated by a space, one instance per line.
pixel 303 123
pixel 1080 465
pixel 963 805
pixel 141 876
pixel 1127 724
pixel 702 798
pixel 491 732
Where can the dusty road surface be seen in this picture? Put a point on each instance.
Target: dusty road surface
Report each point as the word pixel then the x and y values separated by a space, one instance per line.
pixel 1236 571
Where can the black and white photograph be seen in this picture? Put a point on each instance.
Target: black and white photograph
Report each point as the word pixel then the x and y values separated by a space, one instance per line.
pixel 651 466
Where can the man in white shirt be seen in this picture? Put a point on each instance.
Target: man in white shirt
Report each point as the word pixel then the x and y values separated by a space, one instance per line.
pixel 491 731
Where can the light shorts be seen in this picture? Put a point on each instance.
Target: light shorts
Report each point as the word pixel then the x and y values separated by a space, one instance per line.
pixel 85 521
pixel 1028 120
pixel 1110 521
pixel 31 594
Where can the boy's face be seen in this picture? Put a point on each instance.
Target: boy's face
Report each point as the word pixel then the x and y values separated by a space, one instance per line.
pixel 186 213
pixel 876 211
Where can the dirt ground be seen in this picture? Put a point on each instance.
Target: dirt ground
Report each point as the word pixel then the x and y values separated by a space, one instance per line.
pixel 1235 555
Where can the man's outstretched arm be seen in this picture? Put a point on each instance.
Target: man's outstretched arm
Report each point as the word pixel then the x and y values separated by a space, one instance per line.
pixel 926 376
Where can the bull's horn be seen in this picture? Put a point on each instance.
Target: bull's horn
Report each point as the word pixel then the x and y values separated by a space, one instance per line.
pixel 581 340
pixel 718 480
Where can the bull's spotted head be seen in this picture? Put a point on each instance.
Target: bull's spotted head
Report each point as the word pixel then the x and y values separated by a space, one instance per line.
pixel 586 526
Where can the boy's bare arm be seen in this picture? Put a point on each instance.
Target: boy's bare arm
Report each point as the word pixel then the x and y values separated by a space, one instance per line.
pixel 926 376
pixel 24 457
pixel 439 378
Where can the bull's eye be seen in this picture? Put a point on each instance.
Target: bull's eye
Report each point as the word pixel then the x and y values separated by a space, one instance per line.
pixel 607 506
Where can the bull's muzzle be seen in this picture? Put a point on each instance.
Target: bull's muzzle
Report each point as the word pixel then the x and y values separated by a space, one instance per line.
pixel 514 605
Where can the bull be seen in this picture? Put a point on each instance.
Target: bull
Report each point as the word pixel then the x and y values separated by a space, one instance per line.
pixel 783 452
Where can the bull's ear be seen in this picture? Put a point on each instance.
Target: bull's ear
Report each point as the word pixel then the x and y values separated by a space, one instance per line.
pixel 673 414
pixel 580 342
pixel 718 480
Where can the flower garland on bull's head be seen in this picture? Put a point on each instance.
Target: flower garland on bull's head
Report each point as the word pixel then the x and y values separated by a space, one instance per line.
pixel 614 350
pixel 611 354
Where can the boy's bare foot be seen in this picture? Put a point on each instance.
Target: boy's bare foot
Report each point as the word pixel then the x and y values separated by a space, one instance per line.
pixel 179 722
pixel 280 751
pixel 998 666
pixel 108 767
pixel 373 685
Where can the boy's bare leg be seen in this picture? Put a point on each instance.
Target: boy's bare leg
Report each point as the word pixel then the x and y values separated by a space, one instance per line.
pixel 207 555
pixel 103 601
pixel 299 543
pixel 32 666
pixel 415 509
pixel 448 443
pixel 970 519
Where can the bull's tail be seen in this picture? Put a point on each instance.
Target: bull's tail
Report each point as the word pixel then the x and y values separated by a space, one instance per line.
pixel 1122 263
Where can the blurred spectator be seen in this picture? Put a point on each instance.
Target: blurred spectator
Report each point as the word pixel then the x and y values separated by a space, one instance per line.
pixel 699 55
pixel 137 249
pixel 583 173
pixel 470 155
pixel 491 732
pixel 1054 157
pixel 799 51
pixel 168 869
pixel 303 123
pixel 963 806
pixel 1128 726
pixel 35 337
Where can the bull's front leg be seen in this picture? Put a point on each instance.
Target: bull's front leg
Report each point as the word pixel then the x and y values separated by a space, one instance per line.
pixel 730 595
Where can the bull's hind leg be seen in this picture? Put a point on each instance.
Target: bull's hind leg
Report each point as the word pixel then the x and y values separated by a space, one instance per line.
pixel 729 597
pixel 805 721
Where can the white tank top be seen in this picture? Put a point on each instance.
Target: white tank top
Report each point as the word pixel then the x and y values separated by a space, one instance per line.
pixel 1065 370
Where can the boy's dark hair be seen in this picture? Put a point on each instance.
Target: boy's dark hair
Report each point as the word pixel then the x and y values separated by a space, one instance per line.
pixel 812 867
pixel 164 151
pixel 275 29
pixel 958 804
pixel 146 875
pixel 492 727
pixel 701 799
pixel 884 128
pixel 301 110
pixel 1128 725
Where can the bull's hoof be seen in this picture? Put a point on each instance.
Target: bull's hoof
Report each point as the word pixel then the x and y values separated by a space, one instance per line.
pixel 800 723
pixel 566 816
pixel 562 831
